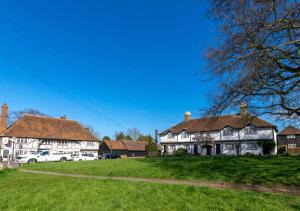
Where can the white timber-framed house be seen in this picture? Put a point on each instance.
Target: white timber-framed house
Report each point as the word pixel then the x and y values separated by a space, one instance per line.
pixel 32 133
pixel 239 134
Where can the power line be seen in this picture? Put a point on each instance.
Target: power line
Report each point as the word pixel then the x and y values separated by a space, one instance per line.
pixel 62 91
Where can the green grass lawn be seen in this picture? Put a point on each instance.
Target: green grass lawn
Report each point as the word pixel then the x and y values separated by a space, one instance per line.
pixel 25 191
pixel 255 170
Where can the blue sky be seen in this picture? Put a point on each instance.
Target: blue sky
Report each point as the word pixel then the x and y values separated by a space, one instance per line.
pixel 109 64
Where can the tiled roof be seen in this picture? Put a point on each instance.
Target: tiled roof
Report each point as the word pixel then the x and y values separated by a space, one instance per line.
pixel 115 145
pixel 290 130
pixel 135 145
pixel 218 123
pixel 127 145
pixel 32 126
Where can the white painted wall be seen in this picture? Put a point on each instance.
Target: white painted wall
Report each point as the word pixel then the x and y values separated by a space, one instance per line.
pixel 28 145
pixel 261 133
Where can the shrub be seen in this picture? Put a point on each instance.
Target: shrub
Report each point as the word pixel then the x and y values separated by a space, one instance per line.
pixel 180 152
pixel 268 146
pixel 281 149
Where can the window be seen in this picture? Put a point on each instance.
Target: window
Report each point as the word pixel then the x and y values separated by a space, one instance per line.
pixel 90 143
pixel 291 136
pixel 228 131
pixel 170 136
pixel 47 142
pixel 229 146
pixel 172 147
pixel 292 146
pixel 185 135
pixel 251 146
pixel 250 130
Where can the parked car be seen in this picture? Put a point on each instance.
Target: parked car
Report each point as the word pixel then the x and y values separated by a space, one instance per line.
pixel 44 156
pixel 84 156
pixel 112 155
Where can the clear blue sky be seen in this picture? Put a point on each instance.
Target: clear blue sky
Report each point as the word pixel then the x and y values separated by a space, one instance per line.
pixel 109 64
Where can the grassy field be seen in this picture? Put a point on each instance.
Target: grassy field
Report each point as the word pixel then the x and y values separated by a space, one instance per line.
pixel 257 170
pixel 24 191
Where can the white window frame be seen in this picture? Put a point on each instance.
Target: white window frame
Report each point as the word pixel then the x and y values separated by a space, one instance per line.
pixel 185 135
pixel 229 146
pixel 292 136
pixel 292 146
pixel 251 146
pixel 228 131
pixel 172 147
pixel 250 130
pixel 170 135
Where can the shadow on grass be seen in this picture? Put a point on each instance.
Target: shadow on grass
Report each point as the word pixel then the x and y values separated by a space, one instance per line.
pixel 251 170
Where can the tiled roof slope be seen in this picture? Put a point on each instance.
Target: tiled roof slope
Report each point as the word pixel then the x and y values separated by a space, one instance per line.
pixel 115 145
pixel 127 145
pixel 290 130
pixel 135 145
pixel 32 126
pixel 218 123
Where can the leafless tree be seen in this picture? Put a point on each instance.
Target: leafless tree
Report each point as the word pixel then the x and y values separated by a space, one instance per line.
pixel 134 133
pixel 15 115
pixel 257 59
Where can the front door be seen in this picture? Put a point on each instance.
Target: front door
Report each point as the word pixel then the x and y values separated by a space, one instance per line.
pixel 165 149
pixel 195 149
pixel 208 151
pixel 218 149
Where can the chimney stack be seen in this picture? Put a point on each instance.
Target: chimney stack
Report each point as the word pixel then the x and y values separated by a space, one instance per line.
pixel 63 117
pixel 243 108
pixel 156 136
pixel 187 116
pixel 4 116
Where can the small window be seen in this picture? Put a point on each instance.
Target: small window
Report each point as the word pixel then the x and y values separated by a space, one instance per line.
pixel 251 146
pixel 250 130
pixel 291 136
pixel 172 147
pixel 229 146
pixel 185 135
pixel 170 136
pixel 290 146
pixel 228 131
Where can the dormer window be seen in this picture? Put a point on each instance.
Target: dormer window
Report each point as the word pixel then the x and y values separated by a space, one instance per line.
pixel 228 131
pixel 185 134
pixel 250 130
pixel 291 136
pixel 170 136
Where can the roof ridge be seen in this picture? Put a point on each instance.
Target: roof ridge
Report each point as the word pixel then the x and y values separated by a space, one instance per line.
pixel 47 117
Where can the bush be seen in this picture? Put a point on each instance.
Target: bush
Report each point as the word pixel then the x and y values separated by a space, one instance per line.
pixel 180 152
pixel 281 149
pixel 268 146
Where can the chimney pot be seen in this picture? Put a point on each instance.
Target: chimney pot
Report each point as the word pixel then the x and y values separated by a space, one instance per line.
pixel 63 117
pixel 187 116
pixel 243 108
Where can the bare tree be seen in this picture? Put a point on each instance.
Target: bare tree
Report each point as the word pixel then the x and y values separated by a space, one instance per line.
pixel 258 58
pixel 15 115
pixel 134 133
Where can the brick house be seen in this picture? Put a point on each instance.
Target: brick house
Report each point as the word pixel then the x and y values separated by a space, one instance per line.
pixel 290 138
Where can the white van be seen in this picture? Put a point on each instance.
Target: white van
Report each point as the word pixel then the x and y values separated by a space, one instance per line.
pixel 44 156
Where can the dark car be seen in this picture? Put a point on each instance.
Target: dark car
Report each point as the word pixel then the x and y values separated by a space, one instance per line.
pixel 112 155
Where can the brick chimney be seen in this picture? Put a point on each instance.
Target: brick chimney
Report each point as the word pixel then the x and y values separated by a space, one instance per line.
pixel 187 116
pixel 156 136
pixel 243 108
pixel 4 116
